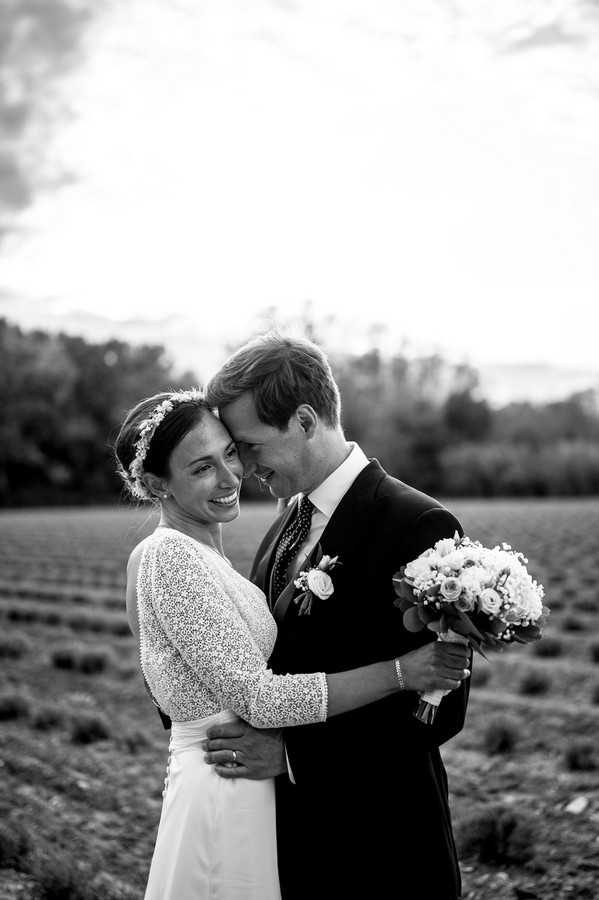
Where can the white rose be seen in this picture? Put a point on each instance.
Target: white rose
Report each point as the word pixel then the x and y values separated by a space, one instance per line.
pixel 445 546
pixel 454 560
pixel 490 601
pixel 451 588
pixel 519 610
pixel 418 569
pixel 465 603
pixel 472 577
pixel 535 607
pixel 527 606
pixel 320 583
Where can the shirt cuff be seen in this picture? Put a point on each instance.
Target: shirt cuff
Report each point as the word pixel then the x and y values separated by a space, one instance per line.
pixel 324 709
pixel 289 769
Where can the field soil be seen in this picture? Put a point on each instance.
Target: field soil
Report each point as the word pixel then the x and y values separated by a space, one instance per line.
pixel 83 753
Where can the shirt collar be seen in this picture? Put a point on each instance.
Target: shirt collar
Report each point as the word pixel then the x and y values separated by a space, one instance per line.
pixel 327 496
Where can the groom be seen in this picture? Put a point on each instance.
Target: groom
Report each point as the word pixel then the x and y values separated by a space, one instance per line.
pixel 362 799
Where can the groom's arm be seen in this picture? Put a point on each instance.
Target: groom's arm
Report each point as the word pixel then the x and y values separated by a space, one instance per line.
pixel 166 721
pixel 312 745
pixel 259 752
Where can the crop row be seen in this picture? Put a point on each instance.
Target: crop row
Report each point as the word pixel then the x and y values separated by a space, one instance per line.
pixel 77 620
pixel 25 591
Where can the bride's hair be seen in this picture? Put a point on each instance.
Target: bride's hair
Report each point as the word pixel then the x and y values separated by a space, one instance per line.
pixel 171 429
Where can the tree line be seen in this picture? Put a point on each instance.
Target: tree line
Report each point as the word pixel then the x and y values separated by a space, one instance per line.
pixel 63 401
pixel 423 418
pixel 427 423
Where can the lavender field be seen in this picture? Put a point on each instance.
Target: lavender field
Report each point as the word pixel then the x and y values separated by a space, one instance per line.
pixel 82 751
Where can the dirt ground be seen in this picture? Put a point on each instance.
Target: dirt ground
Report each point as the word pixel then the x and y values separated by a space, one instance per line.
pixel 83 815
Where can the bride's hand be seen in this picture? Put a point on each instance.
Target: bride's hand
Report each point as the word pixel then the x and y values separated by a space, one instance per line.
pixel 436 666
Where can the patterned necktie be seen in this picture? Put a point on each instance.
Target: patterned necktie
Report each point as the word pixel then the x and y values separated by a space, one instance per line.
pixel 292 538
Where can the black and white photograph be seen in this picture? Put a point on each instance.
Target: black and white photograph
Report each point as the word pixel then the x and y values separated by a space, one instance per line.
pixel 299 450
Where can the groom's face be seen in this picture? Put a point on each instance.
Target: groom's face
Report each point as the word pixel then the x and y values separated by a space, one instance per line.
pixel 279 458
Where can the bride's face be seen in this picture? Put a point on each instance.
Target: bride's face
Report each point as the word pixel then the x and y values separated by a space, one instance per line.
pixel 205 474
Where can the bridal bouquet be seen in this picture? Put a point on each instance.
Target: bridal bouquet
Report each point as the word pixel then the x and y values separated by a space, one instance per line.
pixel 469 593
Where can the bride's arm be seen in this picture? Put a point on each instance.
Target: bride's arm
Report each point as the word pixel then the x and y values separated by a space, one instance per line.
pixel 205 626
pixel 211 635
pixel 437 665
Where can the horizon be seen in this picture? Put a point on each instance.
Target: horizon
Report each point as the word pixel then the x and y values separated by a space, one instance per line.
pixel 500 383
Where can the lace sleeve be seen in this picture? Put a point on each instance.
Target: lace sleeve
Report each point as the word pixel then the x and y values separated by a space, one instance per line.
pixel 206 628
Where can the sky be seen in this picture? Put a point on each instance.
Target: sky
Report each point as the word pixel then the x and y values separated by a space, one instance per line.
pixel 430 166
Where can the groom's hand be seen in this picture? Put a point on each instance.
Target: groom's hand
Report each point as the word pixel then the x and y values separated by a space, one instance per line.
pixel 258 753
pixel 436 666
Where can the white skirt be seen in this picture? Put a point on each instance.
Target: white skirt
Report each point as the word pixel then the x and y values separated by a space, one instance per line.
pixel 217 836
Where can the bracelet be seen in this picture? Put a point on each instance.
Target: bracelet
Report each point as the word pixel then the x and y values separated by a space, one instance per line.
pixel 400 678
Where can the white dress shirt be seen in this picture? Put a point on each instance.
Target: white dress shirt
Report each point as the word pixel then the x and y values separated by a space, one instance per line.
pixel 327 497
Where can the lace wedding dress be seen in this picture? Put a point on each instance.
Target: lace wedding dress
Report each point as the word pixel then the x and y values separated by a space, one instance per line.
pixel 205 636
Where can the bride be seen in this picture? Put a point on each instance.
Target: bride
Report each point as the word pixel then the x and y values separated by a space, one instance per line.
pixel 205 635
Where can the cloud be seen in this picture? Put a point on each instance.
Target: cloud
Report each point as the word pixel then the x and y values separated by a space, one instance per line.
pixel 552 35
pixel 288 6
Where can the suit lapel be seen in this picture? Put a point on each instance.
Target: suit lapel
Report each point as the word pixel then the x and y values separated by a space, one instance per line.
pixel 346 532
pixel 347 529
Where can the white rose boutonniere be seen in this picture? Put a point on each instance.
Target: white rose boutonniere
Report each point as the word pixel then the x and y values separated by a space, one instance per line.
pixel 320 583
pixel 315 582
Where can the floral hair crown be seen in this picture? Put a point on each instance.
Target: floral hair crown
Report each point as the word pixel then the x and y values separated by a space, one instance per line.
pixel 147 429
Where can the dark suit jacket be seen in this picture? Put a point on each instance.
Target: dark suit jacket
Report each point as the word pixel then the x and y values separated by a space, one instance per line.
pixel 368 815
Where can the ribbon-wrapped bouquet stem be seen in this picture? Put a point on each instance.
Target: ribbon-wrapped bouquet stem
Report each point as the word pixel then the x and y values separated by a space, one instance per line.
pixel 466 592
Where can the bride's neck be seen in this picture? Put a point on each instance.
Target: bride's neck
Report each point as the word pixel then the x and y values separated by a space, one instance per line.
pixel 209 533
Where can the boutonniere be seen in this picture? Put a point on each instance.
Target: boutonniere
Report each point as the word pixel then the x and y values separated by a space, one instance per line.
pixel 315 582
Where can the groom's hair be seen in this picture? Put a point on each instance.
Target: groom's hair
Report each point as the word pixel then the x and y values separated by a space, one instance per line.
pixel 282 373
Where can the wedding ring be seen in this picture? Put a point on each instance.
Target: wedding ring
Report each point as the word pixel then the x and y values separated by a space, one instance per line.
pixel 234 752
